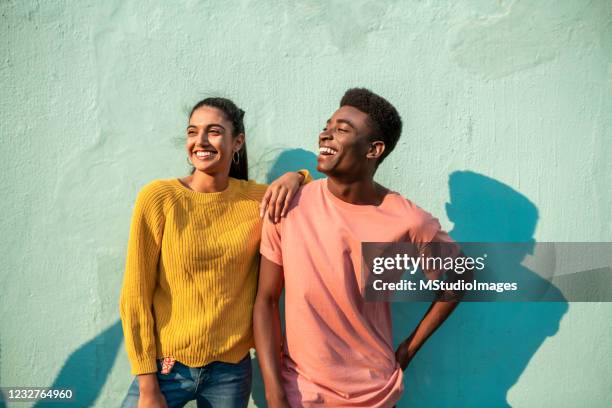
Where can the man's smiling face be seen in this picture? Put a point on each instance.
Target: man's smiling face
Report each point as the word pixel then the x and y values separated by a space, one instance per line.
pixel 344 143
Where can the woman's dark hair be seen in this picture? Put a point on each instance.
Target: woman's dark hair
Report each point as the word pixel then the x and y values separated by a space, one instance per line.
pixel 235 115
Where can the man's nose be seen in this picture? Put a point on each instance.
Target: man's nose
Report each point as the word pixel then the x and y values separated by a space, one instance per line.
pixel 325 135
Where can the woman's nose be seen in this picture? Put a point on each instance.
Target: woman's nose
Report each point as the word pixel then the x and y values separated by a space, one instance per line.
pixel 203 138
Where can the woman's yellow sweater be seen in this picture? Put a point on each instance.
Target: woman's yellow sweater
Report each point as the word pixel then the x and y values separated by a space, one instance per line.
pixel 191 274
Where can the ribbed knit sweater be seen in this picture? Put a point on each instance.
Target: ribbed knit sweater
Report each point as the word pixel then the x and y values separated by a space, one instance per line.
pixel 191 274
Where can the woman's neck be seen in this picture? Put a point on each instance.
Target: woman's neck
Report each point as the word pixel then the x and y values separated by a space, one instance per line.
pixel 207 183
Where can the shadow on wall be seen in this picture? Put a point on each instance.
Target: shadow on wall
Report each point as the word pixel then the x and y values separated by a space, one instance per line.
pixel 483 348
pixel 292 159
pixel 86 369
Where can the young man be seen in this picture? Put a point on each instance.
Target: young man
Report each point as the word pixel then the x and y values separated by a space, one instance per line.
pixel 338 349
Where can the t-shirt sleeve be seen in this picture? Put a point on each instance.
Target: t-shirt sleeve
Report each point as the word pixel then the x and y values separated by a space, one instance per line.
pixel 432 241
pixel 426 229
pixel 270 246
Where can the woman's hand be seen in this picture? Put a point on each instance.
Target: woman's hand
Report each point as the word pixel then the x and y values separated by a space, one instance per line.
pixel 152 400
pixel 150 394
pixel 279 194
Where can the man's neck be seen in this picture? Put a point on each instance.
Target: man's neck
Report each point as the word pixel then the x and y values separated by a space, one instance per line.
pixel 357 192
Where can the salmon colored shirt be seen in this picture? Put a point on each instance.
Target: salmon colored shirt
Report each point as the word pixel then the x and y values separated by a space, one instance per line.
pixel 338 349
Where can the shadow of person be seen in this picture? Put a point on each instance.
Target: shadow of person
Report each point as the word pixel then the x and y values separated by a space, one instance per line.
pixel 483 348
pixel 86 370
pixel 292 160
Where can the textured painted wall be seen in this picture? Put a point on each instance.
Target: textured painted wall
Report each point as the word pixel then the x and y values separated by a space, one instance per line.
pixel 94 101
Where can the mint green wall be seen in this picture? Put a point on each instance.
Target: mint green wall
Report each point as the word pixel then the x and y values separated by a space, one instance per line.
pixel 93 106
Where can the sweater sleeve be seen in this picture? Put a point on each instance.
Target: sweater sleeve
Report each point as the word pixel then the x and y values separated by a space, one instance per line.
pixel 140 278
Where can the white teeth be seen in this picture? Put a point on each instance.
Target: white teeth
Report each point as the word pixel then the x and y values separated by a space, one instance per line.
pixel 204 155
pixel 327 150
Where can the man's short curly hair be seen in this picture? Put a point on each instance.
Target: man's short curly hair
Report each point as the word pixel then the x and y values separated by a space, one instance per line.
pixel 384 120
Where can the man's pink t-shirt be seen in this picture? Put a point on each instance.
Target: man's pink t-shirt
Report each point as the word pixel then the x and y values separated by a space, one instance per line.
pixel 338 350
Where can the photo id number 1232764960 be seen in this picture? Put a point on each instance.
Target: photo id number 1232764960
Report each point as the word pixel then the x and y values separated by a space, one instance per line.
pixel 30 394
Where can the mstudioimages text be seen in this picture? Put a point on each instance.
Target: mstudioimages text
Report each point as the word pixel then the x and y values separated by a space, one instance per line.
pixel 439 285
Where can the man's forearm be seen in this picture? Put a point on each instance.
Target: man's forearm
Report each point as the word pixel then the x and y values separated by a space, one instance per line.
pixel 434 317
pixel 267 333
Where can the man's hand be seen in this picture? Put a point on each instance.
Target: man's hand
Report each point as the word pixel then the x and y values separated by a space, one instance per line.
pixel 278 401
pixel 436 315
pixel 403 355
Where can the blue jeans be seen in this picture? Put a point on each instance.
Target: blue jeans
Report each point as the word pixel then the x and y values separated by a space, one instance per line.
pixel 215 385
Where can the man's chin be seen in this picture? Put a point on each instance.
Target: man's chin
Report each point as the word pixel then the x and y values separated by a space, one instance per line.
pixel 322 169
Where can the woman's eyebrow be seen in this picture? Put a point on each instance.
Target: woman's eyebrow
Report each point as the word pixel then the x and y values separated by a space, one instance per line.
pixel 207 127
pixel 214 125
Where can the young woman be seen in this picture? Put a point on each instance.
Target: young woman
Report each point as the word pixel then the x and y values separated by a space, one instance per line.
pixel 191 269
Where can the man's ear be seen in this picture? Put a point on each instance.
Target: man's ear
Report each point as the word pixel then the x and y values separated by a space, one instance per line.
pixel 238 142
pixel 376 149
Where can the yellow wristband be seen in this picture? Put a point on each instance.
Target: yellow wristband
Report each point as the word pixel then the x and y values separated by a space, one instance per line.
pixel 306 174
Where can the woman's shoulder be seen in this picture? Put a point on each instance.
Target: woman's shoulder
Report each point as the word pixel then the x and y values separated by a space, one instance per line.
pixel 158 191
pixel 251 189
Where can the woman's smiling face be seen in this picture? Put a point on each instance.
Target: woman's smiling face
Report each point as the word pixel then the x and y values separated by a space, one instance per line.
pixel 210 141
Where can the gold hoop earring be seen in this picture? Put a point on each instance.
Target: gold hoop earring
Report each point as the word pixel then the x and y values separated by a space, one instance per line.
pixel 236 157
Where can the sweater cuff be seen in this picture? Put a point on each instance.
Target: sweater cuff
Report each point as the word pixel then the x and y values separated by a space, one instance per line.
pixel 144 366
